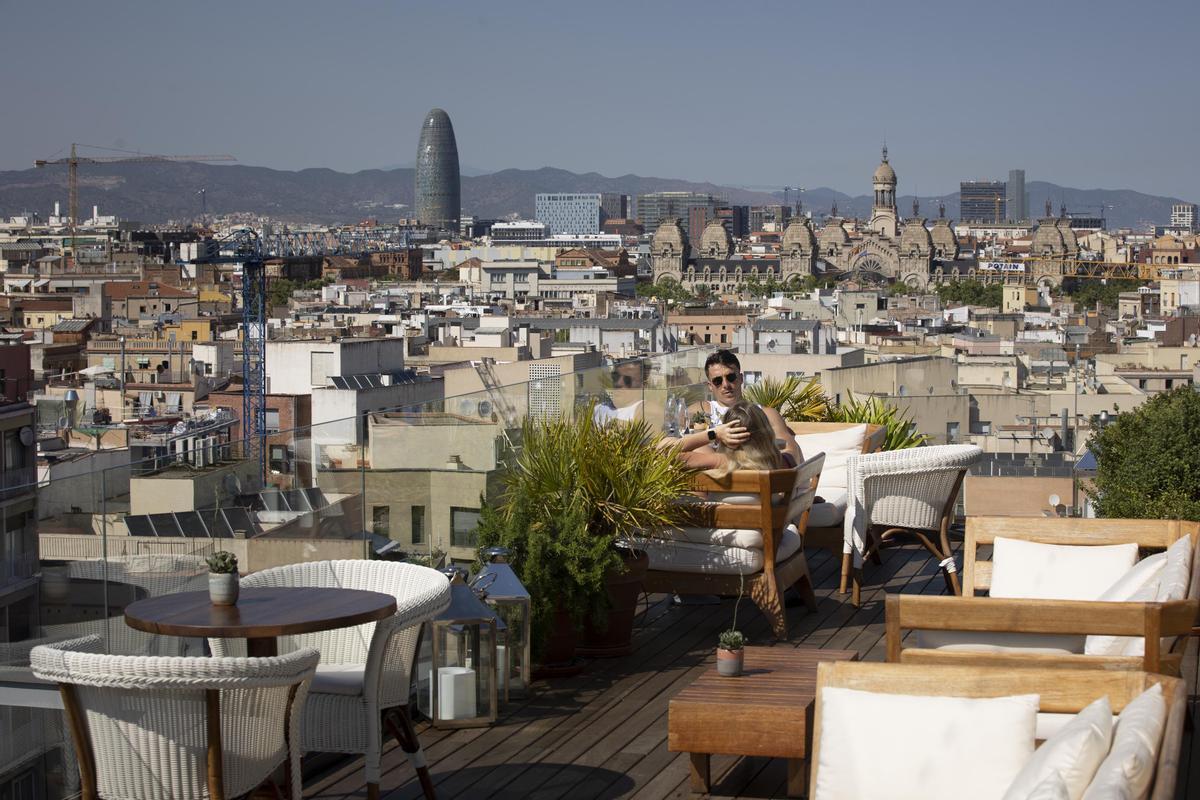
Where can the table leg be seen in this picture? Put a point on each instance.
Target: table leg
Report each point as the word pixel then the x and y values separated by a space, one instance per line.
pixel 797 777
pixel 699 771
pixel 262 648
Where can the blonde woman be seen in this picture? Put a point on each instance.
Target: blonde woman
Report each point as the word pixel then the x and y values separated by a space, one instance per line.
pixel 757 451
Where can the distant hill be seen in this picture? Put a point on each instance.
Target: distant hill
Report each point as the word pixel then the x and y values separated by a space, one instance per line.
pixel 155 193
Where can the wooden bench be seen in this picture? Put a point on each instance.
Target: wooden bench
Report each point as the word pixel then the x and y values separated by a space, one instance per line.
pixel 765 587
pixel 1061 692
pixel 970 612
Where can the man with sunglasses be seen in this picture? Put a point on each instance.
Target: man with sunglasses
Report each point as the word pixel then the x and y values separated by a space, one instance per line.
pixel 725 380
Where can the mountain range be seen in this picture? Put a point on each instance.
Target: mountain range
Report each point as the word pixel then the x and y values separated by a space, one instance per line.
pixel 156 193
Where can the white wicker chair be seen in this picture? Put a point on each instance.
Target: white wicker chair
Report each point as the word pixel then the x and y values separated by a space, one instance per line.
pixel 178 728
pixel 365 672
pixel 903 491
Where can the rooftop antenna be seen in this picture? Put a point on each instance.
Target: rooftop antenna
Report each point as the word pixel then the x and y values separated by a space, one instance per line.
pixel 1049 208
pixel 916 207
pixel 941 209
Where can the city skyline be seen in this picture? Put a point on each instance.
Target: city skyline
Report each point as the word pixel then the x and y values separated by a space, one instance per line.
pixel 1038 102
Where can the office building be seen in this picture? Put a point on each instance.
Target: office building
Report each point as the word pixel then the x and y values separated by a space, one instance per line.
pixel 654 207
pixel 1017 207
pixel 734 218
pixel 438 185
pixel 566 212
pixel 613 205
pixel 982 201
pixel 1183 217
pixel 761 218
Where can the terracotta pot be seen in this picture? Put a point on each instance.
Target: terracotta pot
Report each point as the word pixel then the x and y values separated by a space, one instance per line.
pixel 623 588
pixel 223 588
pixel 729 662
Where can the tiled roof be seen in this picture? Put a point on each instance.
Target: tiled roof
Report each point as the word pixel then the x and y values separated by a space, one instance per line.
pixel 123 290
pixel 72 325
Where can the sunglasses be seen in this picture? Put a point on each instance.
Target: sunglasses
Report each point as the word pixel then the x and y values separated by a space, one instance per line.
pixel 731 377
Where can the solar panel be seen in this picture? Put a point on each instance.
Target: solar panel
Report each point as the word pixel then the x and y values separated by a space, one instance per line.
pixel 297 500
pixel 273 500
pixel 192 524
pixel 139 525
pixel 316 498
pixel 165 525
pixel 239 519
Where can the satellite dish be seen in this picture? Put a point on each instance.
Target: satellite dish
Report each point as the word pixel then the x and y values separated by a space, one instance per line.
pixel 27 436
pixel 771 344
pixel 903 390
pixel 484 409
pixel 232 484
pixel 1054 500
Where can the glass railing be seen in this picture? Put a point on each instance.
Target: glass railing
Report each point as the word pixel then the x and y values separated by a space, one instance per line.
pixel 113 525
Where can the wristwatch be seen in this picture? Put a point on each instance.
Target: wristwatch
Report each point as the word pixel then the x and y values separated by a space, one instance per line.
pixel 712 434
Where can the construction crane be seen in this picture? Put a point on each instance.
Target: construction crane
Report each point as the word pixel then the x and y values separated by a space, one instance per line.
pixel 75 160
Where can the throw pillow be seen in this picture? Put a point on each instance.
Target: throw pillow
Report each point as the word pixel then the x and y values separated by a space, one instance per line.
pixel 1129 767
pixel 953 742
pixel 1053 788
pixel 1057 572
pixel 1173 585
pixel 837 447
pixel 1073 753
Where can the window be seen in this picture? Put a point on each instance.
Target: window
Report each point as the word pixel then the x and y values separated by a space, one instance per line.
pixel 14 452
pixel 279 461
pixel 463 522
pixel 379 520
pixel 418 524
pixel 272 415
pixel 951 432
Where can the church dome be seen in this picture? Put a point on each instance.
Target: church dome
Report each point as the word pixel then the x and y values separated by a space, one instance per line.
pixel 799 235
pixel 833 234
pixel 716 242
pixel 944 240
pixel 669 236
pixel 915 236
pixel 884 174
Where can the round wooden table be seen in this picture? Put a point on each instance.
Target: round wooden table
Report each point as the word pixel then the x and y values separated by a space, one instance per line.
pixel 260 614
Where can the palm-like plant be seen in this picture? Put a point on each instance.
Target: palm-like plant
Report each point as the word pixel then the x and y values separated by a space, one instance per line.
pixel 575 490
pixel 901 433
pixel 795 399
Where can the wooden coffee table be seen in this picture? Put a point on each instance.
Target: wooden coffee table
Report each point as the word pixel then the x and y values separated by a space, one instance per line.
pixel 767 711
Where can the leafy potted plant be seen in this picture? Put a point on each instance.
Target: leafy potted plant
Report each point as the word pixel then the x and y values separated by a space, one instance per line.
pixel 575 498
pixel 731 644
pixel 222 578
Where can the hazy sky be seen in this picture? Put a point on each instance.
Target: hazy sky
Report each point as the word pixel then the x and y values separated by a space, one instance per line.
pixel 1086 94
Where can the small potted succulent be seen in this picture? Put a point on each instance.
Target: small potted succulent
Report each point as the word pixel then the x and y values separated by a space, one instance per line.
pixel 223 578
pixel 731 644
pixel 730 653
pixel 699 421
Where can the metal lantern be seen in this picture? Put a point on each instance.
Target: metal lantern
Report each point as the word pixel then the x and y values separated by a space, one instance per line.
pixel 456 686
pixel 504 592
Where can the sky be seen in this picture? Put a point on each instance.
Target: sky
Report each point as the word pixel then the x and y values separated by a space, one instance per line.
pixel 1093 94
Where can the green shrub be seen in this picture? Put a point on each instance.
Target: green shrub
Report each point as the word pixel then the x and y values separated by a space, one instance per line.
pixel 1148 460
pixel 901 434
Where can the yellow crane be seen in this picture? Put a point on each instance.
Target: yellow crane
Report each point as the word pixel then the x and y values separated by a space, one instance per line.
pixel 74 160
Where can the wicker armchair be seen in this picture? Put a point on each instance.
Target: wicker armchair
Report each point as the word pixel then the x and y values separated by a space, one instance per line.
pixel 149 727
pixel 903 491
pixel 363 680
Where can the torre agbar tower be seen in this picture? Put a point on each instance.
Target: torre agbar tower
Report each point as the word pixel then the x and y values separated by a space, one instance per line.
pixel 438 197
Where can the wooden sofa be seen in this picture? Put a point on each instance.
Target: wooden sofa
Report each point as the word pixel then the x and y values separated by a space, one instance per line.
pixel 1061 692
pixel 826 530
pixel 1149 620
pixel 770 501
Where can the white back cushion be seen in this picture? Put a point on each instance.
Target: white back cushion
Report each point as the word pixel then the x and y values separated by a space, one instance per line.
pixel 1129 767
pixel 951 743
pixel 1173 585
pixel 837 446
pixel 1073 753
pixel 1138 585
pixel 1055 571
pixel 1053 788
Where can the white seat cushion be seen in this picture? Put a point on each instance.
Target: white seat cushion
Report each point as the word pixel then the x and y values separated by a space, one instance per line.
pixel 1129 767
pixel 1073 753
pixel 955 747
pixel 338 679
pixel 749 538
pixel 830 513
pixel 1057 572
pixel 694 557
pixel 1000 642
pixel 837 446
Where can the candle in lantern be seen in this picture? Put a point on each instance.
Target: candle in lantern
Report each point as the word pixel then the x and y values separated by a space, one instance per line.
pixel 456 693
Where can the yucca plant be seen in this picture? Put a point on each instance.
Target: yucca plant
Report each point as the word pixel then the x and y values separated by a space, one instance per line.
pixel 795 399
pixel 576 489
pixel 901 433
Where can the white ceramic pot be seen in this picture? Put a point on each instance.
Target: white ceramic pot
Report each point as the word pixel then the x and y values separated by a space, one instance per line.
pixel 729 662
pixel 223 588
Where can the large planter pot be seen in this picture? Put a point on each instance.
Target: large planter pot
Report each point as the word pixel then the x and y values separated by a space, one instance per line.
pixel 223 588
pixel 729 662
pixel 623 589
pixel 558 658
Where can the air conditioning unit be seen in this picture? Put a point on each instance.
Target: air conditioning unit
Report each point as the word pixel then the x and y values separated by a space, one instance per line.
pixel 199 453
pixel 181 450
pixel 211 449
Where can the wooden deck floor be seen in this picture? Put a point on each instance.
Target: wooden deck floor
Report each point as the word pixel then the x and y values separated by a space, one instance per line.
pixel 604 734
